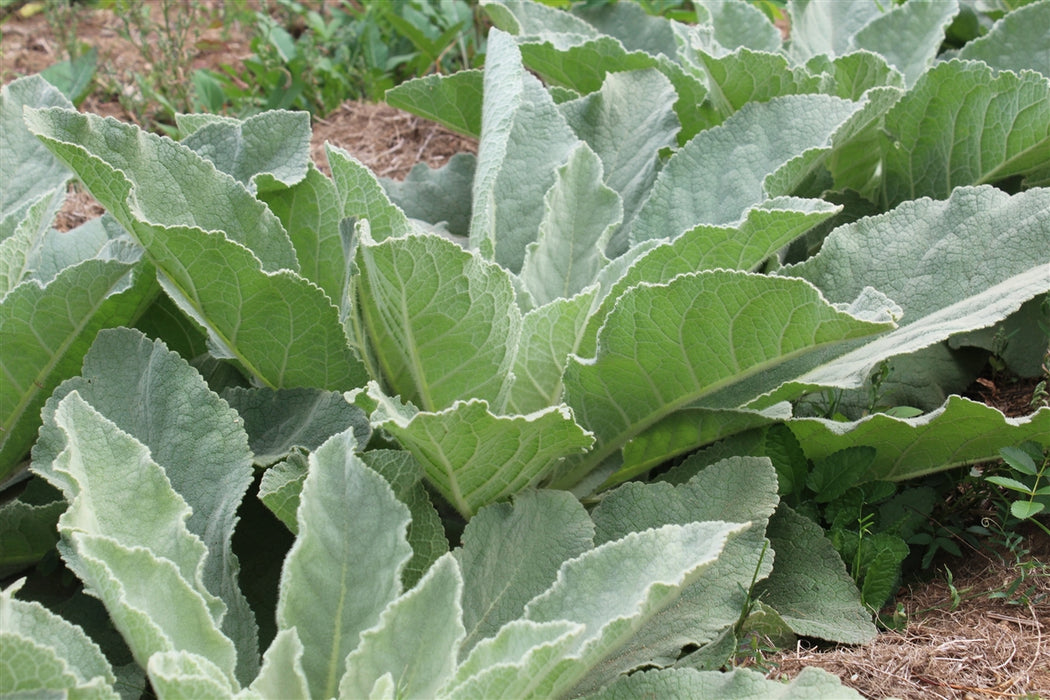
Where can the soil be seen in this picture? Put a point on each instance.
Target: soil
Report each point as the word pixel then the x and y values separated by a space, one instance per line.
pixel 978 628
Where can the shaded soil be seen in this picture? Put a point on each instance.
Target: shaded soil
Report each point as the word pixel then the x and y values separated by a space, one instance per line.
pixel 980 631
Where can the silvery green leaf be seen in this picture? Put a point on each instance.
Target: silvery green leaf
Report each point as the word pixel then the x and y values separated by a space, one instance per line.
pixel 49 328
pixel 910 447
pixel 627 122
pixel 580 215
pixel 443 322
pixel 127 540
pixel 851 75
pixel 511 553
pixel 426 533
pixel 281 486
pixel 810 587
pixel 695 187
pixel 334 586
pixel 181 674
pixel 549 335
pixel 362 197
pixel 964 124
pixel 908 36
pixel 521 131
pixel 1016 42
pixel 310 212
pixel 29 169
pixel 668 346
pixel 121 166
pixel 27 533
pixel 738 684
pixel 271 149
pixel 616 603
pixel 828 26
pixel 196 439
pixel 45 638
pixel 737 490
pixel 629 23
pixel 436 196
pixel 458 446
pixel 416 640
pixel 212 254
pixel 904 253
pixel 278 421
pixel 282 675
pixel 21 251
pixel 525 17
pixel 454 101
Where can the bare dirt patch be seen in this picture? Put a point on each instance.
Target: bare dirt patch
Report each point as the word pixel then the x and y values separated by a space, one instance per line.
pixel 961 643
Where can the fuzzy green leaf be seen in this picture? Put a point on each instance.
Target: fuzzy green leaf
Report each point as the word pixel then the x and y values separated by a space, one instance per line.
pixel 459 446
pixel 362 197
pixel 268 149
pixel 1016 42
pixel 334 586
pixel 416 640
pixel 454 101
pixel 511 553
pixel 809 586
pixel 739 684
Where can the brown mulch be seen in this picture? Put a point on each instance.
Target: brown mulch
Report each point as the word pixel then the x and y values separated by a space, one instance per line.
pixel 975 643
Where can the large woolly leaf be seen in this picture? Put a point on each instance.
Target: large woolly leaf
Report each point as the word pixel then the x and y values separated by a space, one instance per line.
pixel 30 171
pixel 282 675
pixel 664 347
pixel 334 585
pixel 362 197
pixel 160 401
pixel 910 447
pixel 964 124
pixel 33 638
pixel 695 187
pixel 739 490
pixel 48 324
pixel 512 552
pixel 810 587
pixel 1017 41
pixel 459 446
pixel 125 535
pixel 443 322
pixel 438 197
pixel 27 532
pixel 221 252
pixel 269 149
pixel 181 674
pixel 922 255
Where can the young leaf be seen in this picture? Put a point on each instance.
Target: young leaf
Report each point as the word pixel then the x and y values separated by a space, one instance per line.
pixel 181 674
pixel 908 36
pixel 282 674
pixel 416 640
pixel 511 553
pixel 334 586
pixel 521 132
pixel 43 651
pixel 579 218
